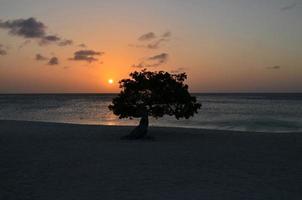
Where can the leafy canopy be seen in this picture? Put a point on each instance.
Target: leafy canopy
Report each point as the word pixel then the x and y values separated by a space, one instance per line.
pixel 156 94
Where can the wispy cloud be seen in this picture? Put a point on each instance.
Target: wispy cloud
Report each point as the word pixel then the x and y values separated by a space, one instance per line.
pixel 51 38
pixel 32 29
pixel 147 36
pixel 3 50
pixel 153 61
pixel 156 44
pixel 40 57
pixel 276 67
pixel 290 6
pixel 86 55
pixel 154 41
pixel 82 45
pixel 53 61
pixel 161 58
pixel 167 34
pixel 65 42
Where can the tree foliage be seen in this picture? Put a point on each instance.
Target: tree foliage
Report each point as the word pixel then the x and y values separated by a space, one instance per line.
pixel 155 94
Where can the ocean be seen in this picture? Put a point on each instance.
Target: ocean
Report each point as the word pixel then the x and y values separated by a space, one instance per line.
pixel 265 112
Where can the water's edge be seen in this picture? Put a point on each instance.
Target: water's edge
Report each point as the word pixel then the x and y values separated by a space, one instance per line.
pixel 253 112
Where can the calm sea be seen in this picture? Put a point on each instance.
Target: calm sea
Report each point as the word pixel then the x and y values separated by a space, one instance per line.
pixel 245 112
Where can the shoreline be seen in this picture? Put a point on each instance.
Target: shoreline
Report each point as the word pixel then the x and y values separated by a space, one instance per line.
pixel 64 161
pixel 195 129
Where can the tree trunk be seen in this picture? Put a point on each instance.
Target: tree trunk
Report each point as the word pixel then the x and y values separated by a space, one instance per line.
pixel 140 131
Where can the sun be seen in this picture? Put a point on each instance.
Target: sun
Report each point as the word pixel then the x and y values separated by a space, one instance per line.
pixel 110 81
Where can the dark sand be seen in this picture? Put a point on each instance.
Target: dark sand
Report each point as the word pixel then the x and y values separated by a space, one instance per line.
pixel 49 161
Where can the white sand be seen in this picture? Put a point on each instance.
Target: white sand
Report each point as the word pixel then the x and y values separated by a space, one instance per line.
pixel 47 161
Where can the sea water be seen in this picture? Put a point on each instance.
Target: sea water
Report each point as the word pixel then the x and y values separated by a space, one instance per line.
pixel 263 112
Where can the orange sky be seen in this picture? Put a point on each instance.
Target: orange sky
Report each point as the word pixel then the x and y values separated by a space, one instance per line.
pixel 223 47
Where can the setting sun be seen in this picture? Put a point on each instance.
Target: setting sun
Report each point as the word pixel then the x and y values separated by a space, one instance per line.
pixel 110 81
pixel 106 97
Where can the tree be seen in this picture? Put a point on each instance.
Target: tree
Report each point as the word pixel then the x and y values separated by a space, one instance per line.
pixel 153 94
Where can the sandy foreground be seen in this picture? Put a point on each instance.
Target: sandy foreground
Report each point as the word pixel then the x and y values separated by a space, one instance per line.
pixel 51 161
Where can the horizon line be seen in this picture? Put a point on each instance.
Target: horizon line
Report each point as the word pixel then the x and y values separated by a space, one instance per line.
pixel 115 93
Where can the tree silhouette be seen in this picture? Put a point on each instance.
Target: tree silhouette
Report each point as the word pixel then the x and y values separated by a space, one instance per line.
pixel 153 94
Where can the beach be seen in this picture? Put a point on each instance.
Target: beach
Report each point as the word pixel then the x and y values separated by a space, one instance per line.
pixel 66 161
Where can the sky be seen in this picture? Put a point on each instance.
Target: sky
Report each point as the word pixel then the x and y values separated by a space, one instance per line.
pixel 76 46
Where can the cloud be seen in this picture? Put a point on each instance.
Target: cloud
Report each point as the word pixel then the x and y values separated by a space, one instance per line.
pixel 40 57
pixel 161 58
pixel 153 61
pixel 49 39
pixel 156 44
pixel 53 61
pixel 164 38
pixel 82 45
pixel 154 41
pixel 86 55
pixel 32 29
pixel 55 39
pixel 290 6
pixel 147 36
pixel 27 28
pixel 167 34
pixel 65 42
pixel 3 50
pixel 276 67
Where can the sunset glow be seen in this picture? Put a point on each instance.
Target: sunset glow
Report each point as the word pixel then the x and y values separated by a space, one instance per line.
pixel 222 46
pixel 150 99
